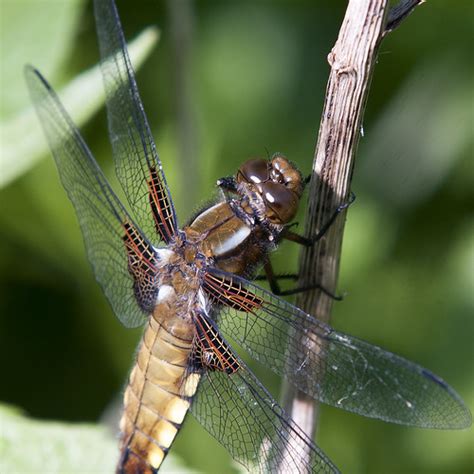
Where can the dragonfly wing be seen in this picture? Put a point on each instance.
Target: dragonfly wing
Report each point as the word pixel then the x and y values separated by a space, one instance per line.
pixel 238 411
pixel 137 164
pixel 335 368
pixel 115 246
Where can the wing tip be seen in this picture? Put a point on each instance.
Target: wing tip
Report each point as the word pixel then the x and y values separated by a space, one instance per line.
pixel 32 74
pixel 464 419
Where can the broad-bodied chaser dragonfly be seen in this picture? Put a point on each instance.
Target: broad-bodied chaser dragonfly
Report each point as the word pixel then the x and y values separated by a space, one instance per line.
pixel 188 287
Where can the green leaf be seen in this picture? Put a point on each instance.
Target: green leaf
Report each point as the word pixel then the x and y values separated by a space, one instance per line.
pixel 33 31
pixel 33 446
pixel 422 134
pixel 21 137
pixel 27 445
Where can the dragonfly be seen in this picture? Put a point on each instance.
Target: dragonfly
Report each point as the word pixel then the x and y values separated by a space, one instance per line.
pixel 191 289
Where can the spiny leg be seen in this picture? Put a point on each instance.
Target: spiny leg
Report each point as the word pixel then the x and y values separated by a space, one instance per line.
pixel 273 278
pixel 309 241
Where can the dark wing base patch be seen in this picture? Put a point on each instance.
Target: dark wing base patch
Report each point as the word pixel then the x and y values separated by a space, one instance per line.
pixel 211 351
pixel 228 292
pixel 142 265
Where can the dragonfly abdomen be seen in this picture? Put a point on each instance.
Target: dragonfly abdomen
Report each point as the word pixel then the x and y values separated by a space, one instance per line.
pixel 158 395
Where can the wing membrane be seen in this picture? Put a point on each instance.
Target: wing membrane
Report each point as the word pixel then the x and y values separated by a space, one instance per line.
pixel 335 368
pixel 137 164
pixel 238 411
pixel 101 215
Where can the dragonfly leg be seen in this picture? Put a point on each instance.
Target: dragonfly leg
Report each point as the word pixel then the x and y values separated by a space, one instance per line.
pixel 280 276
pixel 273 278
pixel 310 241
pixel 227 184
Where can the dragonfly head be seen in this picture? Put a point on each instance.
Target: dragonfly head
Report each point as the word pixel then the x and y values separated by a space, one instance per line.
pixel 279 184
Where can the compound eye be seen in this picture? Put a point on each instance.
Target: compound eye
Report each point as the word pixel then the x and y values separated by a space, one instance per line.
pixel 280 163
pixel 281 202
pixel 254 171
pixel 284 172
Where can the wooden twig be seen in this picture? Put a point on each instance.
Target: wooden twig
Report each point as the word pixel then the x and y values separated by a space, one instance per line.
pixel 352 62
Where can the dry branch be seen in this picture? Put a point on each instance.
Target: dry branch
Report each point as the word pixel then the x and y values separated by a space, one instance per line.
pixel 352 62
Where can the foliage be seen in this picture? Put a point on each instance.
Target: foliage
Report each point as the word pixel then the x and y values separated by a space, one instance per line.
pixel 28 446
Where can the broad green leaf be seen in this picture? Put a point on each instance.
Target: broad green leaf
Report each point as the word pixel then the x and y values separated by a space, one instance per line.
pixel 38 446
pixel 419 138
pixel 28 446
pixel 33 31
pixel 21 138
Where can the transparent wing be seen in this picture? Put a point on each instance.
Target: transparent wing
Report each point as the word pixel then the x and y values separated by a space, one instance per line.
pixel 332 367
pixel 137 164
pixel 104 221
pixel 238 411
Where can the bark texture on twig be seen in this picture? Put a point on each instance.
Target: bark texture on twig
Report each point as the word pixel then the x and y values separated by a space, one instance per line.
pixel 352 61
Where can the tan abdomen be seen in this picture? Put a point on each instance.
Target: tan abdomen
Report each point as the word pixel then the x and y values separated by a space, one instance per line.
pixel 158 394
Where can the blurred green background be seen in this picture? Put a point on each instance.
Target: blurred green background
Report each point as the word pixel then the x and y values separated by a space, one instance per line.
pixel 230 80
